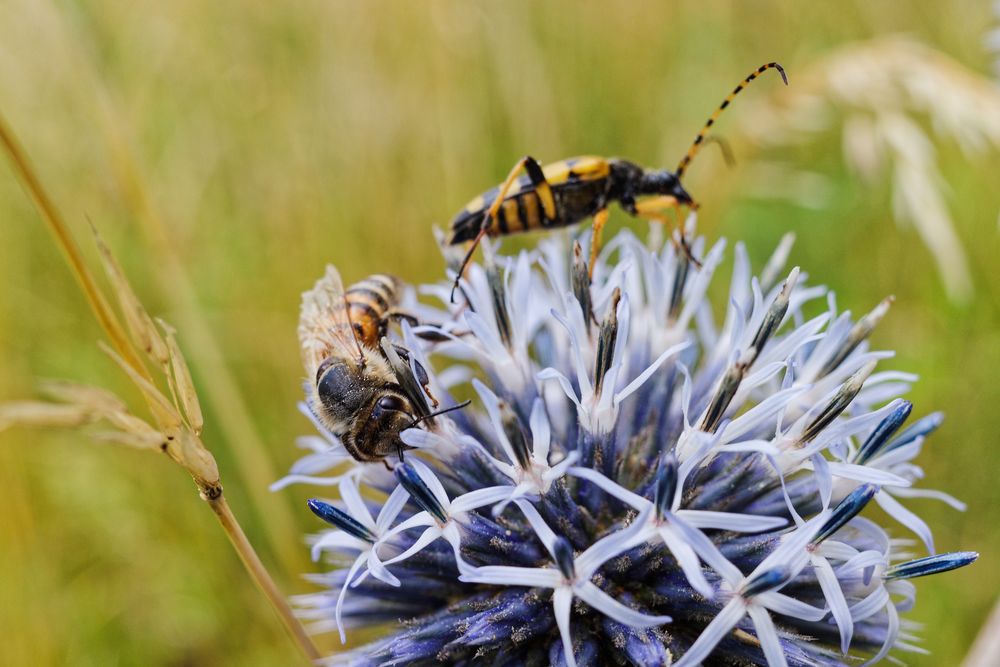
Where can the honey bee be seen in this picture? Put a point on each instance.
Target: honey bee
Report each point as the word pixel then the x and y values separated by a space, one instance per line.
pixel 362 389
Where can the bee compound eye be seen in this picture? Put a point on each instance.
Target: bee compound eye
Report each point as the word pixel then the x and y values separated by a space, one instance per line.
pixel 392 403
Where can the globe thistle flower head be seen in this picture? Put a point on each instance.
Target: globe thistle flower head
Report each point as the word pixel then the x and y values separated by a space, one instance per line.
pixel 634 482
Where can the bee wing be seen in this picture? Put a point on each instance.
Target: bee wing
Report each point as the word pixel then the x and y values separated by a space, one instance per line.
pixel 324 326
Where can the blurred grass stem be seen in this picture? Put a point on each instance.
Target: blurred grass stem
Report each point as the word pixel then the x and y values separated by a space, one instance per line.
pixel 50 214
pixel 985 651
pixel 231 414
pixel 209 485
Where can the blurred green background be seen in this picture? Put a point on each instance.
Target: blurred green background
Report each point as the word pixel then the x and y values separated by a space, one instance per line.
pixel 227 150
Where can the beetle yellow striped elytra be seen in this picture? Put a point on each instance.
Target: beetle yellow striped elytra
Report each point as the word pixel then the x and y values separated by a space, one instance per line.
pixel 564 193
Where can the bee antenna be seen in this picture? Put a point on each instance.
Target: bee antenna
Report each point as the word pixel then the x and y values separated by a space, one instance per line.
pixel 439 413
pixel 698 140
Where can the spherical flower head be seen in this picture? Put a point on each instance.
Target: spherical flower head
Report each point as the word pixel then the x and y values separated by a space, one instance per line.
pixel 633 482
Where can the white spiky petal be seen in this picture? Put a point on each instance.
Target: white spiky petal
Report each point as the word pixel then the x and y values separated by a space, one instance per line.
pixel 553 487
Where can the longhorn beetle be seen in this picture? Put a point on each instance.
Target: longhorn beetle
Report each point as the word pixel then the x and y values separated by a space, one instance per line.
pixel 565 193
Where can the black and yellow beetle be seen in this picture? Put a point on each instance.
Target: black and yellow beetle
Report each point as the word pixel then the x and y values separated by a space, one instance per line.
pixel 565 193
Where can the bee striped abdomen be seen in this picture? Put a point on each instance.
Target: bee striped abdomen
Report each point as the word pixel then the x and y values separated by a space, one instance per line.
pixel 368 302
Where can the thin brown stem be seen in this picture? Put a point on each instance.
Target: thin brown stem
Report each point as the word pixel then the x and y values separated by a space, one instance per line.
pixel 260 575
pixel 211 492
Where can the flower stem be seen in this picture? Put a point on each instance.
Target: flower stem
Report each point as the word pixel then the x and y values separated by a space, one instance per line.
pixel 260 575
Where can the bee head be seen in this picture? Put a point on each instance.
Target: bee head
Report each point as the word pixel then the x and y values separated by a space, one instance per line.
pixel 348 390
pixel 373 431
pixel 363 405
pixel 392 412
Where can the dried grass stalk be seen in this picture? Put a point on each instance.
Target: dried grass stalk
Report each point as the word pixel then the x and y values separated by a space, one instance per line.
pixel 176 420
pixel 895 100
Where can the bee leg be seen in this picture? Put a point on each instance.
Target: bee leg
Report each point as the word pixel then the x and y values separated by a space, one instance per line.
pixel 404 375
pixel 402 315
pixel 655 208
pixel 386 463
pixel 420 373
pixel 542 187
pixel 430 336
pixel 600 219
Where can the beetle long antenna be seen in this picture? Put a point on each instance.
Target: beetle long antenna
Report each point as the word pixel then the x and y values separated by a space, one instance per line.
pixel 439 413
pixel 699 140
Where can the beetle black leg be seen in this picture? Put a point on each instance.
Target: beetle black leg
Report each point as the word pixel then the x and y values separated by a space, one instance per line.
pixel 686 250
pixel 655 208
pixel 468 255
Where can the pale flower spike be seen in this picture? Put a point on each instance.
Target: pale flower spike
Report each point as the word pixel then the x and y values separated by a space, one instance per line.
pixel 633 484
